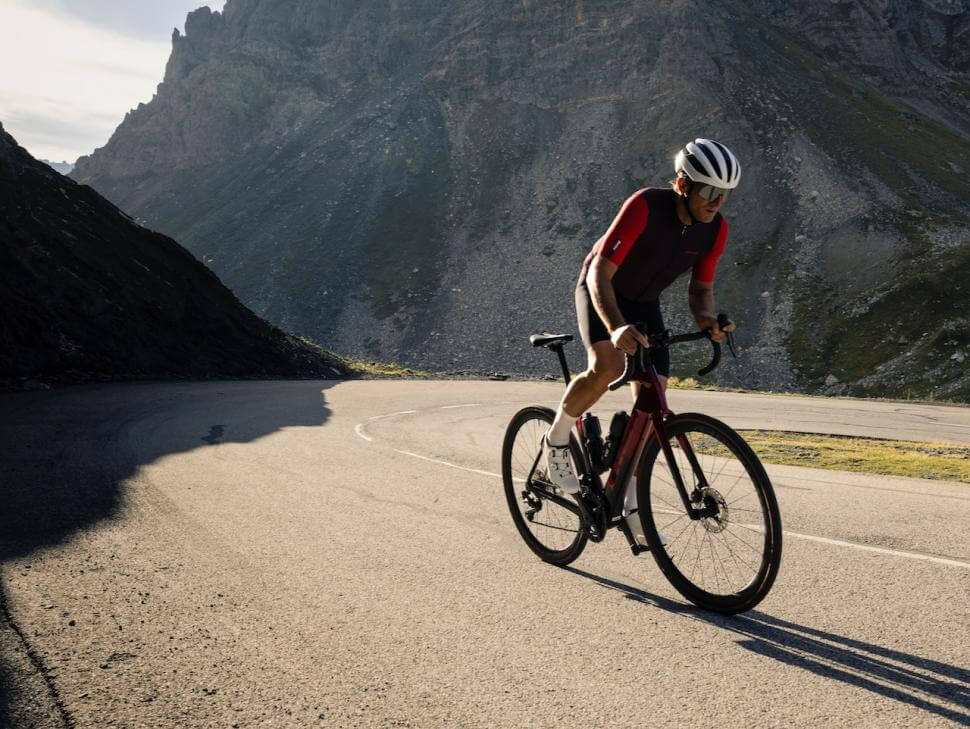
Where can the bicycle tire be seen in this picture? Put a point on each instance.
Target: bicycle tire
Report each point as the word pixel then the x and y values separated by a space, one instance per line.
pixel 558 536
pixel 728 463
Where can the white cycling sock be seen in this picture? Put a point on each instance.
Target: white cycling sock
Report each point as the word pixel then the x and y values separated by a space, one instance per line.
pixel 558 434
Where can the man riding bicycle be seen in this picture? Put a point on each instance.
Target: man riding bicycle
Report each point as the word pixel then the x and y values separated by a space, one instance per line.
pixel 658 234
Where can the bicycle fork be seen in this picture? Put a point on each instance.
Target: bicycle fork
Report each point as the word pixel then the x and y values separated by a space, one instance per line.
pixel 701 485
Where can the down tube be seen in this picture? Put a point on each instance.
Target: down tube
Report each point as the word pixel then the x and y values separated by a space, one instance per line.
pixel 626 459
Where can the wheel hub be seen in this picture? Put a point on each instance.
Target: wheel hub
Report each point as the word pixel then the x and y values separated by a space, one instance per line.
pixel 712 500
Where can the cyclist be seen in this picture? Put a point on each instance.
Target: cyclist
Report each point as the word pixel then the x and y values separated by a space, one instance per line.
pixel 658 234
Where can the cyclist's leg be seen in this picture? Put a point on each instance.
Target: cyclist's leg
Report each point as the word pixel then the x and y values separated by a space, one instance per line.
pixel 584 390
pixel 635 386
pixel 604 364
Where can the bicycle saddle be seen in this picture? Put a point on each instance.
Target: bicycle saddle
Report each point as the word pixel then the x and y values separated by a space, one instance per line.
pixel 550 340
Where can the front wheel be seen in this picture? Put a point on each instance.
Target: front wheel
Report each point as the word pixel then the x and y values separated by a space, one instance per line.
pixel 555 533
pixel 725 560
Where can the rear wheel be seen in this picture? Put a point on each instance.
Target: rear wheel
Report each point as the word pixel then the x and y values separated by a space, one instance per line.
pixel 727 560
pixel 551 530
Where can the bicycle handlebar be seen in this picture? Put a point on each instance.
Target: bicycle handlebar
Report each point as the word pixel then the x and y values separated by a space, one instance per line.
pixel 637 362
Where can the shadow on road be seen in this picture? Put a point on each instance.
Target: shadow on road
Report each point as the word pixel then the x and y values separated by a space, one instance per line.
pixel 919 682
pixel 65 455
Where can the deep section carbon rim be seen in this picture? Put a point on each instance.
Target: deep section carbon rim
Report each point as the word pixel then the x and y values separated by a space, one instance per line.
pixel 553 532
pixel 727 560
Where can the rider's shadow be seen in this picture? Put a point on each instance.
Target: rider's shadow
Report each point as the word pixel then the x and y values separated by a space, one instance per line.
pixel 889 673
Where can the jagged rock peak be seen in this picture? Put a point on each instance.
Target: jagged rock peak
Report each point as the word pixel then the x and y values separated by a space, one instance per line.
pixel 202 21
pixel 189 50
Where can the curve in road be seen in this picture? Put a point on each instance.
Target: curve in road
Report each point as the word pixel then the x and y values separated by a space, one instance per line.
pixel 361 431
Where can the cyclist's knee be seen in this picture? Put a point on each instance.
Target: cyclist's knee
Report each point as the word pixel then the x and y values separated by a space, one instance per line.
pixel 605 369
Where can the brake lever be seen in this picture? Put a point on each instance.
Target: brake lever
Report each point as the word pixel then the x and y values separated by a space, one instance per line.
pixel 723 321
pixel 636 362
pixel 642 356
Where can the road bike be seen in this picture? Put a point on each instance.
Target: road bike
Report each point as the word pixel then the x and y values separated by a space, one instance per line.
pixel 706 509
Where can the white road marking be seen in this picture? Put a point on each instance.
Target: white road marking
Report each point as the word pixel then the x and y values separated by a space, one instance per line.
pixel 391 415
pixel 446 463
pixel 879 550
pixel 787 533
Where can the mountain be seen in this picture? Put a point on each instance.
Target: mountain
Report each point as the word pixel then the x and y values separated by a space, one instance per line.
pixel 87 294
pixel 420 182
pixel 65 168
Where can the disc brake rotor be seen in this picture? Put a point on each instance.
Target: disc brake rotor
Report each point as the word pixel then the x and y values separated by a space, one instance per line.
pixel 712 498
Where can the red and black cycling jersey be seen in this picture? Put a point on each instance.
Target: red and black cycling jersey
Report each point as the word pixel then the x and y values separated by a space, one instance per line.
pixel 651 247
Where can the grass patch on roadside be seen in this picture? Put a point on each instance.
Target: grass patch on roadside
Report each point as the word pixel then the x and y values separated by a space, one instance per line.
pixel 689 383
pixel 366 368
pixel 943 461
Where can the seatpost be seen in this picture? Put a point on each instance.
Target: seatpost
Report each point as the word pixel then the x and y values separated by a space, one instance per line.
pixel 562 361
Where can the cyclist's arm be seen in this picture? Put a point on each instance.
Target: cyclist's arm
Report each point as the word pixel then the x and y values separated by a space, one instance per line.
pixel 599 280
pixel 700 293
pixel 700 297
pixel 624 336
pixel 705 266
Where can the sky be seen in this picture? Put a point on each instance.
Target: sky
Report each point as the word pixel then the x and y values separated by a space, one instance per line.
pixel 72 69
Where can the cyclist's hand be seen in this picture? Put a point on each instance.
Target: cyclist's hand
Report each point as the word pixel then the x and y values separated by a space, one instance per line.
pixel 627 337
pixel 718 333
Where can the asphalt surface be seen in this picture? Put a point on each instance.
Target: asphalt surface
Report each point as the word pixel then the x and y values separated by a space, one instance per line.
pixel 299 554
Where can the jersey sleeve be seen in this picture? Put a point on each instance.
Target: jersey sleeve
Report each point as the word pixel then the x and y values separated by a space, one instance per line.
pixel 628 225
pixel 704 267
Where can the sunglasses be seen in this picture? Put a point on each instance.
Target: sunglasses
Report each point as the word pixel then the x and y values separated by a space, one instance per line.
pixel 711 193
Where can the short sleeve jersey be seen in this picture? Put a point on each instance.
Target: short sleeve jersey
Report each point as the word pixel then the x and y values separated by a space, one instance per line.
pixel 651 247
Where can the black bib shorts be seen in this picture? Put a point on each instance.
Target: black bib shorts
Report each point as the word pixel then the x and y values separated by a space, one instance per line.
pixel 592 329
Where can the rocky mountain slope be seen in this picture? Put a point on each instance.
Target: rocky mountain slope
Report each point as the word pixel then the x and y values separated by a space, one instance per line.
pixel 418 182
pixel 88 294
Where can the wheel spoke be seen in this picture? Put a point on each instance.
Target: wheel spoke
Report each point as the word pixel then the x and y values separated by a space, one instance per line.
pixel 712 560
pixel 738 557
pixel 755 550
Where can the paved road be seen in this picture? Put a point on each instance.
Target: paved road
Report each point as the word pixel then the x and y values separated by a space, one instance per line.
pixel 340 554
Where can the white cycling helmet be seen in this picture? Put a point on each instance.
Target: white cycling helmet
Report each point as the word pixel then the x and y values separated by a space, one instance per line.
pixel 710 163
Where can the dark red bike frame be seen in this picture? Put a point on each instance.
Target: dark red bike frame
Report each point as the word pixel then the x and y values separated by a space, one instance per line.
pixel 647 420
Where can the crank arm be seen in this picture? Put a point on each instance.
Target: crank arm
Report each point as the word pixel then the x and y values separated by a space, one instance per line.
pixel 542 492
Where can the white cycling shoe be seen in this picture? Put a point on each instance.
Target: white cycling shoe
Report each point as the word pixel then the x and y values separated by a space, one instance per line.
pixel 559 467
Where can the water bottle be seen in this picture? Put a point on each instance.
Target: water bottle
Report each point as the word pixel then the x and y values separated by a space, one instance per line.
pixel 613 440
pixel 593 437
